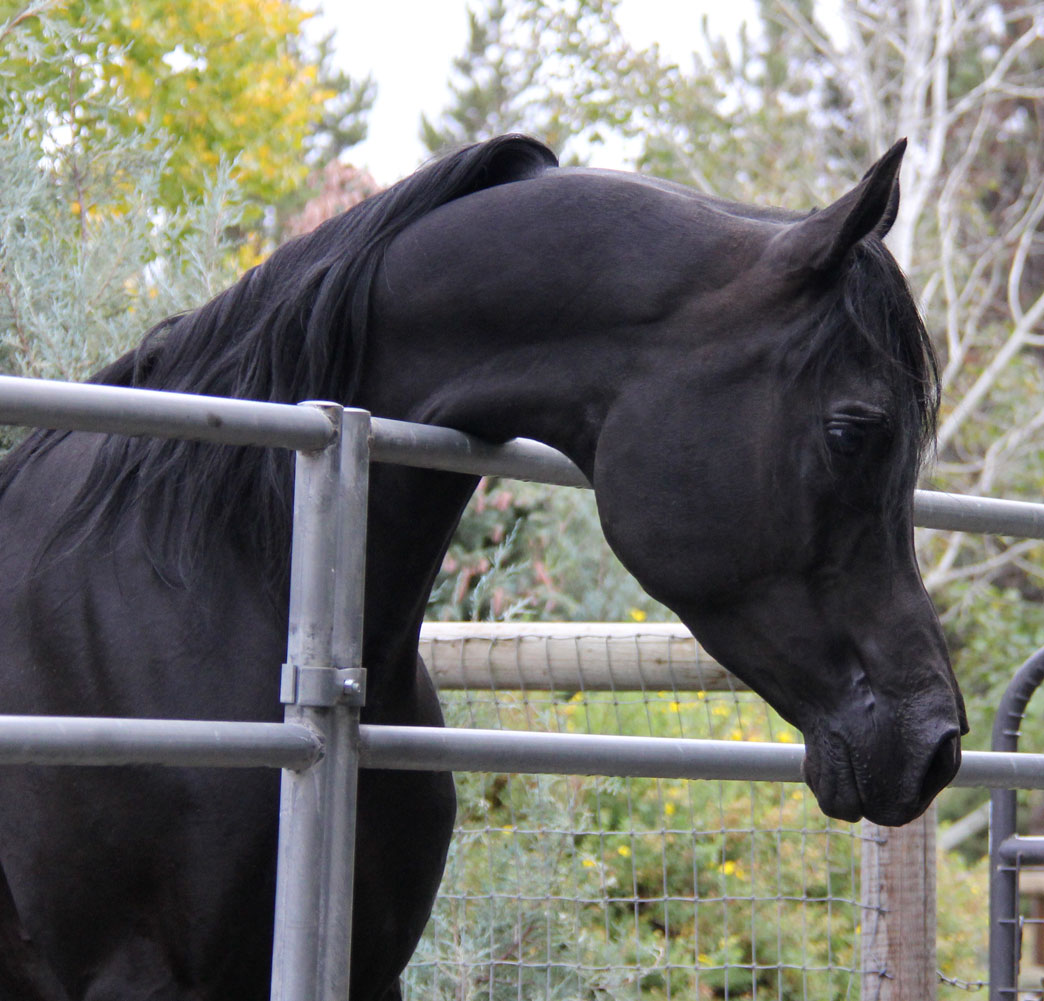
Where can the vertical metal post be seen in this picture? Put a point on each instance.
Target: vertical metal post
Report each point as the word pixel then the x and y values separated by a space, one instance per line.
pixel 323 687
pixel 1005 923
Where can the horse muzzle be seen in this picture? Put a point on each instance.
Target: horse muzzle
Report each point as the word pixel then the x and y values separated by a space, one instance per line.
pixel 889 781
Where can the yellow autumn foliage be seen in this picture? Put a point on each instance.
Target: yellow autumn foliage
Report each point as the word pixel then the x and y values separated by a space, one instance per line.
pixel 226 80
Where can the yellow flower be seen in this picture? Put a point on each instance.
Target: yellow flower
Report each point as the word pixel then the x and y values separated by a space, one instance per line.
pixel 731 868
pixel 786 738
pixel 589 863
pixel 637 614
pixel 624 851
pixel 669 809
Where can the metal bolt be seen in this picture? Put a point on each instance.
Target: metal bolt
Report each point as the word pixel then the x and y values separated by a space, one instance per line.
pixel 352 686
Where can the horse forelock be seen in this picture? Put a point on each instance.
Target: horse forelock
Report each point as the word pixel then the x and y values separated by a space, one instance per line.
pixel 293 328
pixel 881 307
pixel 870 319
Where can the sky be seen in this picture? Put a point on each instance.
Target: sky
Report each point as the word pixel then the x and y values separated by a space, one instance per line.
pixel 408 46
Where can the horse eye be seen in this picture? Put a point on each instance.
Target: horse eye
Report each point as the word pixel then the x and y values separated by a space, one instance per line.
pixel 845 437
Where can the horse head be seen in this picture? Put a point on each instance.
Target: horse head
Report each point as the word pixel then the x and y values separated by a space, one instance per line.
pixel 768 500
pixel 751 393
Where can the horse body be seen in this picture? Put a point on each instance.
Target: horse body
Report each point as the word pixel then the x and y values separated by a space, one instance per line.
pixel 672 345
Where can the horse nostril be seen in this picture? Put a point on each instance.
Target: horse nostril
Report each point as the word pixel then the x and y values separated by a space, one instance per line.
pixel 943 766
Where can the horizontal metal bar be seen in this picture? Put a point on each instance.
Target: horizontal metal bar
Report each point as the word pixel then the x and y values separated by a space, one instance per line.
pixel 441 448
pixel 79 740
pixel 1025 850
pixel 1001 770
pixel 988 515
pixel 89 407
pixel 419 748
pixel 120 410
pixel 436 749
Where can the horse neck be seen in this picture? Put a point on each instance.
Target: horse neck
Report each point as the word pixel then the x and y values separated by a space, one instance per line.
pixel 519 311
pixel 413 513
pixel 411 519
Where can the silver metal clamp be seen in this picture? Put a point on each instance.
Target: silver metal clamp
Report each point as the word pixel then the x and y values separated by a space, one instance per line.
pixel 316 685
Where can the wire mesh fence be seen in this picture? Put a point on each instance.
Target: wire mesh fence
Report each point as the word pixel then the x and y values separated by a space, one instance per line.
pixel 574 887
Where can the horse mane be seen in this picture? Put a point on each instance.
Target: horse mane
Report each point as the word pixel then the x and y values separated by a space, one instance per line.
pixel 294 328
pixel 873 316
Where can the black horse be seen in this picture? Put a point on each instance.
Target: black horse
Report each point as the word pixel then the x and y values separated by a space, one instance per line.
pixel 749 391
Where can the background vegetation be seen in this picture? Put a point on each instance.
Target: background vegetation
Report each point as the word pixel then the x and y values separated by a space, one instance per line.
pixel 609 888
pixel 150 152
pixel 790 117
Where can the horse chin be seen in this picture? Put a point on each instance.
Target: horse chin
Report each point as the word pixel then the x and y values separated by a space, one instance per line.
pixel 837 794
pixel 850 794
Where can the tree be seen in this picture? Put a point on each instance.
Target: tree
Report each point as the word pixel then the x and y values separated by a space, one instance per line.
pixel 537 67
pixel 235 81
pixel 121 201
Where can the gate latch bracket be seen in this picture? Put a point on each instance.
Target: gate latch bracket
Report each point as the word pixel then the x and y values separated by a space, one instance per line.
pixel 315 685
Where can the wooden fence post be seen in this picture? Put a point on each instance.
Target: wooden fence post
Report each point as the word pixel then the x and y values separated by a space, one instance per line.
pixel 898 926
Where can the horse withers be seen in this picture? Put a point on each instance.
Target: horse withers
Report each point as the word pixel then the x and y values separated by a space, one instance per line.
pixel 750 392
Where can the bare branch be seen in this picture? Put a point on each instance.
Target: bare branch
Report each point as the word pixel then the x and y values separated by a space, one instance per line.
pixel 995 80
pixel 983 570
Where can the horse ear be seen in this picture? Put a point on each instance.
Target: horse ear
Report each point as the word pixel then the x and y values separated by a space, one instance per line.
pixel 821 242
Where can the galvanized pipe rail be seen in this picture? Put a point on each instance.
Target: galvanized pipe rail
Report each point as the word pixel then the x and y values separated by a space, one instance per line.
pixel 88 407
pixel 75 406
pixel 473 750
pixel 94 740
pixel 104 741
